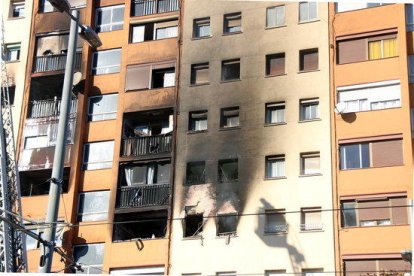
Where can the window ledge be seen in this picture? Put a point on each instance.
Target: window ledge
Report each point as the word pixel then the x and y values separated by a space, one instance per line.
pixel 274 178
pixel 357 227
pixel 275 27
pixel 196 131
pixel 275 233
pixel 232 33
pixel 12 61
pixel 233 80
pixel 379 167
pixel 311 120
pixel 198 237
pixel 312 231
pixel 225 236
pixel 201 37
pixel 308 21
pixel 272 76
pixel 274 124
pixel 309 71
pixel 229 128
pixel 367 60
pixel 309 175
pixel 16 18
pixel 199 84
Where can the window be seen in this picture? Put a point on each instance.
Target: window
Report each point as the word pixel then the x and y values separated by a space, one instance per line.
pixel 228 170
pixel 232 23
pixel 229 117
pixel 409 17
pixel 275 222
pixel 371 154
pixel 146 174
pixel 351 6
pixel 200 73
pixel 193 224
pixel 275 64
pixel 201 27
pixel 372 96
pixel 309 109
pixel 275 16
pixel 91 256
pixel 309 163
pixel 198 120
pixel 35 142
pixel 45 5
pixel 385 266
pixel 374 211
pixel 93 206
pixel 12 52
pixel 275 113
pixel 154 31
pixel 226 224
pixel 312 272
pixel 275 272
pixel 17 8
pixel 98 155
pixel 230 69
pixel 106 62
pixel 308 11
pixel 150 76
pixel 39 229
pixel 12 93
pixel 311 219
pixel 411 68
pixel 366 46
pixel 230 273
pixel 196 172
pixel 110 18
pixel 308 60
pixel 102 107
pixel 143 271
pixel 275 166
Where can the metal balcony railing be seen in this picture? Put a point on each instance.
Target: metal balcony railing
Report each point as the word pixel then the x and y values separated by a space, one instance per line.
pixel 143 195
pixel 146 145
pixel 146 7
pixel 54 62
pixel 49 108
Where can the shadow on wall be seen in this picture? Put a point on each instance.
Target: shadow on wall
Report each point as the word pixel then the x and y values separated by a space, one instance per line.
pixel 297 259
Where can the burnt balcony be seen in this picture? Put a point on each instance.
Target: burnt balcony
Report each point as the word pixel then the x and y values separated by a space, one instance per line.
pixel 57 62
pixel 147 7
pixel 138 196
pixel 49 108
pixel 148 145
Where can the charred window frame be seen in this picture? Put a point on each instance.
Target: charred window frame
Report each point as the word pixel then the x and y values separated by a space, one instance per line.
pixel 227 224
pixel 228 170
pixel 196 173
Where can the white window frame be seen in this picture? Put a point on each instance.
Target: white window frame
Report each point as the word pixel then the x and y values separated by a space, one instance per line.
pixel 14 54
pixel 269 108
pixel 280 229
pixel 104 68
pixel 100 164
pixel 310 227
pixel 112 23
pixel 275 158
pixel 308 103
pixel 308 11
pixel 109 115
pixel 303 157
pixel 274 10
pixel 20 5
pixel 103 212
pixel 343 156
pixel 87 267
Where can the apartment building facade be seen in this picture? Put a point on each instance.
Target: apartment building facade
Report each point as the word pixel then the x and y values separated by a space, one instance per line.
pixel 372 141
pixel 118 161
pixel 253 140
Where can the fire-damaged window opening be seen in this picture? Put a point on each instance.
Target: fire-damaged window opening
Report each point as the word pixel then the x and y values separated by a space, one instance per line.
pixel 141 225
pixel 193 222
pixel 37 182
pixel 196 173
pixel 227 224
pixel 228 170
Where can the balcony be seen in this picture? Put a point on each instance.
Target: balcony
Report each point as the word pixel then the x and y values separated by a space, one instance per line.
pixel 49 63
pixel 138 196
pixel 147 7
pixel 147 145
pixel 49 108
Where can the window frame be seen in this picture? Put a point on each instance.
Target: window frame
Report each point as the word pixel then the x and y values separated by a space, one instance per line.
pixel 20 5
pixel 104 213
pixel 342 163
pixel 201 179
pixel 193 73
pixel 269 58
pixel 11 48
pixel 111 24
pixel 150 69
pixel 381 40
pixel 223 215
pixel 230 62
pixel 109 163
pixel 303 224
pixel 308 20
pixel 269 159
pixel 285 227
pixel 117 67
pixel 303 157
pixel 106 116
pixel 268 9
pixel 227 19
pixel 201 22
pixel 224 118
pixel 88 267
pixel 303 104
pixel 192 121
pixel 302 54
pixel 222 177
pixel 274 106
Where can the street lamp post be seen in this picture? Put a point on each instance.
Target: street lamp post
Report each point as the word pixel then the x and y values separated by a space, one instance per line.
pixel 58 161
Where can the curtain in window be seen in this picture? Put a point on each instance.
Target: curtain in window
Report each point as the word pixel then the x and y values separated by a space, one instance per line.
pixel 390 47
pixel 150 174
pixel 374 49
pixel 276 168
pixel 128 175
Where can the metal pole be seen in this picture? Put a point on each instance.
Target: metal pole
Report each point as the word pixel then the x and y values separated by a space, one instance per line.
pixel 59 156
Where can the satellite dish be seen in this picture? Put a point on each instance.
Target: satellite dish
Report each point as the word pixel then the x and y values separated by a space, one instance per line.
pixel 340 107
pixel 77 77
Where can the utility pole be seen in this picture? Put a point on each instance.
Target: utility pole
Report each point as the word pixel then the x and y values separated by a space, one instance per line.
pixel 59 155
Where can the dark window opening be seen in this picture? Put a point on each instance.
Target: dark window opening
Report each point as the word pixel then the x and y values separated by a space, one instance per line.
pixel 162 77
pixel 226 224
pixel 308 60
pixel 193 225
pixel 37 182
pixel 196 172
pixel 230 70
pixel 228 170
pixel 143 225
pixel 12 93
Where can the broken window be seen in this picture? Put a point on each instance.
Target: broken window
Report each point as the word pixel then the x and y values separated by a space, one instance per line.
pixel 230 117
pixel 230 69
pixel 226 224
pixel 150 76
pixel 102 107
pixel 91 256
pixel 93 206
pixel 142 225
pixel 193 223
pixel 98 155
pixel 110 18
pixel 196 172
pixel 149 173
pixel 37 182
pixel 228 170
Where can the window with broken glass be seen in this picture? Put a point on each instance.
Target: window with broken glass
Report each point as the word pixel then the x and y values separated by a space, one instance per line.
pixel 228 170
